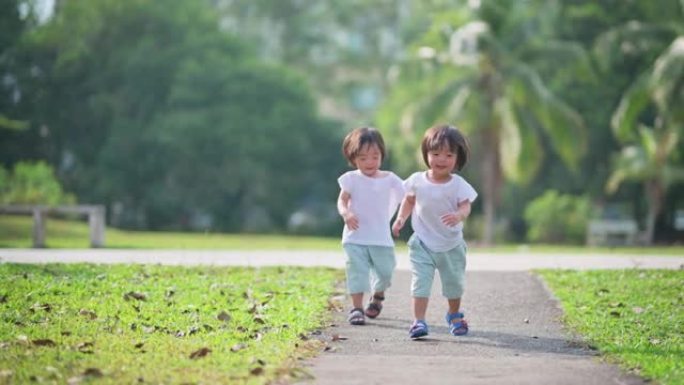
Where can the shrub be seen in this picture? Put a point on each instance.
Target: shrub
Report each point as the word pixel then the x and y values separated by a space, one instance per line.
pixel 32 183
pixel 557 218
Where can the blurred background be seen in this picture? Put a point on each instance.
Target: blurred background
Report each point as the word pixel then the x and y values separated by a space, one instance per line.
pixel 227 116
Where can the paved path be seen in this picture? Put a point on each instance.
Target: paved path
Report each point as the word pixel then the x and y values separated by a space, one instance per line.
pixel 519 261
pixel 516 336
pixel 501 348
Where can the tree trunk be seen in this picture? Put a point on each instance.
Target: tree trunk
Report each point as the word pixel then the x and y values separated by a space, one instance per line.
pixel 654 195
pixel 491 183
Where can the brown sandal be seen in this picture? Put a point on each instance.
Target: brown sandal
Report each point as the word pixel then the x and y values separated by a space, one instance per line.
pixel 374 308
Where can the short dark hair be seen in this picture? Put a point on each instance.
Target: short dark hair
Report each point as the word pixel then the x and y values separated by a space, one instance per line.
pixel 358 139
pixel 444 135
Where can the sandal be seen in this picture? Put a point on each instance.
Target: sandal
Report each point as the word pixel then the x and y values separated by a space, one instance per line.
pixel 374 308
pixel 418 329
pixel 356 316
pixel 458 328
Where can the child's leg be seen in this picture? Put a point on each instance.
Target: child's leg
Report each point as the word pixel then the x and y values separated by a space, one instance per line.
pixel 451 267
pixel 420 305
pixel 357 300
pixel 357 269
pixel 383 263
pixel 423 273
pixel 454 305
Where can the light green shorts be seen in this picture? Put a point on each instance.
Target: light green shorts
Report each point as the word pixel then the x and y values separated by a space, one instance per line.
pixel 369 267
pixel 450 264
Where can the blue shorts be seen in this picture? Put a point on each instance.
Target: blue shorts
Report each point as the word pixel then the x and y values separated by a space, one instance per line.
pixel 369 267
pixel 450 264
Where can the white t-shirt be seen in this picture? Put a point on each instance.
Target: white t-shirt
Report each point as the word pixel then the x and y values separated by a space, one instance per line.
pixel 434 200
pixel 374 201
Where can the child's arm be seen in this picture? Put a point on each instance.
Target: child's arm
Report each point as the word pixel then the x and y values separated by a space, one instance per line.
pixel 404 212
pixel 458 216
pixel 343 208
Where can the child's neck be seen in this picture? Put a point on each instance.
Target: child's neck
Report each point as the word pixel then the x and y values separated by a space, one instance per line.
pixel 375 174
pixel 438 178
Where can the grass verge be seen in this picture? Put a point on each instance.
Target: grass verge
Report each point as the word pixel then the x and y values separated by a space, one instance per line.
pixel 634 317
pixel 157 324
pixel 15 232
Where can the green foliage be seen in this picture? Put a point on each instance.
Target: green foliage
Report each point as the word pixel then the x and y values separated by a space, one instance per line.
pixel 154 324
pixel 558 218
pixel 32 184
pixel 150 108
pixel 472 68
pixel 631 316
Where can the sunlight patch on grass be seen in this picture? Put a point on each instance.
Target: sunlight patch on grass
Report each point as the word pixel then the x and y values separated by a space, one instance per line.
pixel 157 324
pixel 635 317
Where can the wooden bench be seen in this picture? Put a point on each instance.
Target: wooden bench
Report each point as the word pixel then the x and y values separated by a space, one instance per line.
pixel 95 214
pixel 612 232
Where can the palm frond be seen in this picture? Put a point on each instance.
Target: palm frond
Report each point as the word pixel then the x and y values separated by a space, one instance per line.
pixel 626 116
pixel 562 124
pixel 667 78
pixel 521 152
pixel 630 39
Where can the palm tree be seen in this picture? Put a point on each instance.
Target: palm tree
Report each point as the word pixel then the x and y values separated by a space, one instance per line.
pixel 649 152
pixel 474 69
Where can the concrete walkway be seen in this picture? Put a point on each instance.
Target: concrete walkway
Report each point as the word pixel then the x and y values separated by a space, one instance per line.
pixel 518 261
pixel 516 336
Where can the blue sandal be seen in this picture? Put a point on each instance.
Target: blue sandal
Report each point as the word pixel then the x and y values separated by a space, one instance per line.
pixel 418 329
pixel 458 328
pixel 356 317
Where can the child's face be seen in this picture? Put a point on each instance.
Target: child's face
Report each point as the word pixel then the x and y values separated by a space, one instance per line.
pixel 442 161
pixel 368 160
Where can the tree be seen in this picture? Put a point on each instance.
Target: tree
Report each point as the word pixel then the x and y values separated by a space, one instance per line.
pixel 650 152
pixel 151 109
pixel 473 69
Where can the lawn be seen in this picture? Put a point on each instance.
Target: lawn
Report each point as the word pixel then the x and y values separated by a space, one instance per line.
pixel 15 232
pixel 157 324
pixel 634 317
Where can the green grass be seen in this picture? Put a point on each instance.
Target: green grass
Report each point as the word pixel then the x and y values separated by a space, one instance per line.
pixel 142 324
pixel 15 232
pixel 634 317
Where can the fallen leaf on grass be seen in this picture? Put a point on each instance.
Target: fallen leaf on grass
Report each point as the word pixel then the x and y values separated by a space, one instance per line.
pixel 257 371
pixel 43 342
pixel 135 295
pixel 336 303
pixel 85 347
pixel 40 306
pixel 87 313
pixel 200 353
pixel 224 316
pixel 93 372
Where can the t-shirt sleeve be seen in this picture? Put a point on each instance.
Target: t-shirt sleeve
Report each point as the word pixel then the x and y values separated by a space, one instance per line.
pixel 466 192
pixel 345 182
pixel 397 192
pixel 410 185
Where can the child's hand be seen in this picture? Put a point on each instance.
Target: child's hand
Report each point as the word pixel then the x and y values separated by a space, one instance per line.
pixel 398 225
pixel 452 219
pixel 351 221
